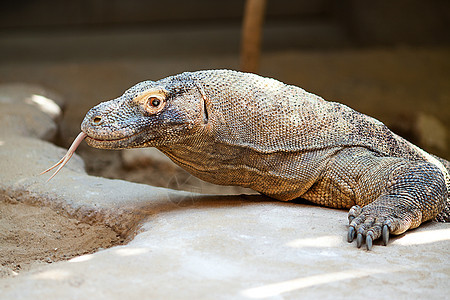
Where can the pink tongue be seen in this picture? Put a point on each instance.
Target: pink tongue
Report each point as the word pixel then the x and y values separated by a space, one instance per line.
pixel 66 157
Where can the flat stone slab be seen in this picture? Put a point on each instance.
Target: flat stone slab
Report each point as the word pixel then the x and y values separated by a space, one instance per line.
pixel 192 246
pixel 235 249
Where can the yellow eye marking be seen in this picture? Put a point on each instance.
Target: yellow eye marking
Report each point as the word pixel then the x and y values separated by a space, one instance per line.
pixel 152 100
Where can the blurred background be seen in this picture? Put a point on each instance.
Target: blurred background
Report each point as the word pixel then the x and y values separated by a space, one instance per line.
pixel 387 59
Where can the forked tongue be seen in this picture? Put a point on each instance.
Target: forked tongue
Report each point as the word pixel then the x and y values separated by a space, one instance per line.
pixel 66 157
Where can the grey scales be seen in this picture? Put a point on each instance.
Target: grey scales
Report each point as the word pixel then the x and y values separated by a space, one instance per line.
pixel 233 128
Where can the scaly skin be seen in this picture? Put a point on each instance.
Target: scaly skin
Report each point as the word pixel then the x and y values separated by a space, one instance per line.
pixel 233 128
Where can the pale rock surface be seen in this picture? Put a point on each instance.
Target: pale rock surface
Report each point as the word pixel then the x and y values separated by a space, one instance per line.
pixel 192 246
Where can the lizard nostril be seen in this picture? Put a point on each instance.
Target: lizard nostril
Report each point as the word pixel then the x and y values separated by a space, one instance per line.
pixel 97 120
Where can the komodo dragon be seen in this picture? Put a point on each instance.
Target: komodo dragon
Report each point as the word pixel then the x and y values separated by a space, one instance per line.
pixel 233 128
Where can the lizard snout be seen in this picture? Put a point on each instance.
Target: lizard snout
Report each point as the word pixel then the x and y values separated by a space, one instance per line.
pixel 112 125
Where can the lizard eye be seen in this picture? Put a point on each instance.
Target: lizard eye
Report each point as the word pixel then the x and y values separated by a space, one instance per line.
pixel 154 102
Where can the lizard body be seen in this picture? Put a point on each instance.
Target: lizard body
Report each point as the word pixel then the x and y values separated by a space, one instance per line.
pixel 234 128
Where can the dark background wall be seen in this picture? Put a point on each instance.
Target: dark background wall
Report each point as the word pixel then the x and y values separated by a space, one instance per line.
pixel 364 22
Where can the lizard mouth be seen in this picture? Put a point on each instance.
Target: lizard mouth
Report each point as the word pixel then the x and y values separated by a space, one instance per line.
pixel 119 143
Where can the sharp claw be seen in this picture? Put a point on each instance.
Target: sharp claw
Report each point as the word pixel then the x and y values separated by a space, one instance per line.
pixel 385 234
pixel 351 234
pixel 350 219
pixel 369 241
pixel 359 239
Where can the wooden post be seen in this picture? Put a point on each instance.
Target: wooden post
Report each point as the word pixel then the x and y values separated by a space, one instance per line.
pixel 251 35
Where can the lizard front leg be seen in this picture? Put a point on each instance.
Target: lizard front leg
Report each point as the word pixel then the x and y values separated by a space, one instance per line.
pixel 415 192
pixel 390 195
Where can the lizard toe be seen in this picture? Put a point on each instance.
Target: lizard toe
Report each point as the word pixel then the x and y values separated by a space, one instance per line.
pixel 354 212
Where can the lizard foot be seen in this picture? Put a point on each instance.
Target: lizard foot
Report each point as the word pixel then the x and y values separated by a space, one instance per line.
pixel 371 222
pixel 364 225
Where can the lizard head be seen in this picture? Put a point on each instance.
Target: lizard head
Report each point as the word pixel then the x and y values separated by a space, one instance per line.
pixel 150 114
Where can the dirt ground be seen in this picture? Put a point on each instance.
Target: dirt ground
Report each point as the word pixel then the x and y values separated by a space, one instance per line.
pixel 31 236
